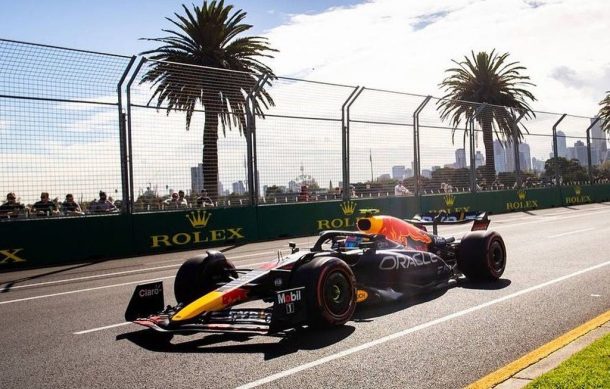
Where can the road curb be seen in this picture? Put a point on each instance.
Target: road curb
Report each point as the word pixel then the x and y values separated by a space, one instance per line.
pixel 513 369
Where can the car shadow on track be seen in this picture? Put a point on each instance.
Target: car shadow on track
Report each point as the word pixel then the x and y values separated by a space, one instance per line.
pixel 489 285
pixel 289 342
pixel 366 312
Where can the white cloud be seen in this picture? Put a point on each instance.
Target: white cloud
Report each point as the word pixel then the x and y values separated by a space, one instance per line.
pixel 407 44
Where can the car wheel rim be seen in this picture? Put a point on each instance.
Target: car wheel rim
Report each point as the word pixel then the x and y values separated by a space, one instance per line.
pixel 337 293
pixel 497 257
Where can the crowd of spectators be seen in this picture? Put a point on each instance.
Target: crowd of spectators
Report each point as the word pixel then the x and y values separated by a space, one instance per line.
pixel 45 207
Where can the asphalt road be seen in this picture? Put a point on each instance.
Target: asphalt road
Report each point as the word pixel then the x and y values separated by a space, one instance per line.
pixel 64 327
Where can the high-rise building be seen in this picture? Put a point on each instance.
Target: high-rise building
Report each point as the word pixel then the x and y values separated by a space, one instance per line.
pixel 239 188
pixel 460 158
pixel 479 159
pixel 599 144
pixel 580 151
pixel 197 178
pixel 562 150
pixel 525 160
pixel 499 156
pixel 598 137
pixel 398 172
pixel 537 165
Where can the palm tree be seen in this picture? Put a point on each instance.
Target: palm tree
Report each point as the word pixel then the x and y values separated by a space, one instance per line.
pixel 604 112
pixel 488 79
pixel 208 36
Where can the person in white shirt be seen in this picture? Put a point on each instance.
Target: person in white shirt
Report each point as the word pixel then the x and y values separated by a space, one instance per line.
pixel 400 189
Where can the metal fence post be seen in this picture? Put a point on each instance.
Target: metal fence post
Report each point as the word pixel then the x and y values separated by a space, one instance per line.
pixel 345 138
pixel 135 73
pixel 125 206
pixel 516 148
pixel 589 164
pixel 555 153
pixel 416 145
pixel 251 139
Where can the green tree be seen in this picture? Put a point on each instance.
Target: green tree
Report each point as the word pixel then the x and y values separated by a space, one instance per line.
pixel 604 112
pixel 489 79
pixel 570 171
pixel 209 36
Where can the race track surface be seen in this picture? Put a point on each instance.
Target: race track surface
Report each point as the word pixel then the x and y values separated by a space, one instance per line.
pixel 64 326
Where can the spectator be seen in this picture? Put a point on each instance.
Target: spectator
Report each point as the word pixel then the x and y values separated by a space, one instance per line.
pixel 400 189
pixel 175 201
pixel 204 200
pixel 11 208
pixel 71 207
pixel 304 194
pixel 103 205
pixel 182 200
pixel 44 207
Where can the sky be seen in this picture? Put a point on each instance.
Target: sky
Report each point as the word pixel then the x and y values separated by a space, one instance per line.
pixel 400 45
pixel 395 44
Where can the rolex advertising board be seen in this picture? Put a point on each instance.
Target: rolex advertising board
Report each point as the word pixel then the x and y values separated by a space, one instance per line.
pixel 194 228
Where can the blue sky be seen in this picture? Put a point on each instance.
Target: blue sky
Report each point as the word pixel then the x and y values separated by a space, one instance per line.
pixel 116 25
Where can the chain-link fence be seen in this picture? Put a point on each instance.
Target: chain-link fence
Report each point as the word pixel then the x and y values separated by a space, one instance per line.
pixel 59 126
pixel 159 136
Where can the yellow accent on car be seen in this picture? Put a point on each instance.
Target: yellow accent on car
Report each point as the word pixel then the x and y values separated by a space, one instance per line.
pixel 361 295
pixel 210 302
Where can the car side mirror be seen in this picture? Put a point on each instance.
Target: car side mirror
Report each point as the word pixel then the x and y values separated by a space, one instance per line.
pixel 293 247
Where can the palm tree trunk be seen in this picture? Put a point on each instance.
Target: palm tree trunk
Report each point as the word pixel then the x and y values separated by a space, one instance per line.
pixel 210 152
pixel 489 173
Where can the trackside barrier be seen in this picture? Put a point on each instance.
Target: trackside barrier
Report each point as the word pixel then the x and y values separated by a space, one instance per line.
pixel 45 242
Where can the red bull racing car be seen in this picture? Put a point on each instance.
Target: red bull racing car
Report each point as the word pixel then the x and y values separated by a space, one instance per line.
pixel 386 259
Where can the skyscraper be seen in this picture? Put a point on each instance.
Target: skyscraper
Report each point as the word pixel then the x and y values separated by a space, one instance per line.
pixel 398 172
pixel 197 178
pixel 499 156
pixel 525 160
pixel 562 150
pixel 460 158
pixel 580 151
pixel 599 144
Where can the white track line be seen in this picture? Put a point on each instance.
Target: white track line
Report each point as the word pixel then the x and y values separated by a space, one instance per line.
pixel 95 288
pixel 88 277
pixel 82 290
pixel 102 328
pixel 411 330
pixel 571 232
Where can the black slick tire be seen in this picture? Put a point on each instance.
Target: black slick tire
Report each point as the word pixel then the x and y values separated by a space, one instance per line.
pixel 200 275
pixel 482 256
pixel 330 291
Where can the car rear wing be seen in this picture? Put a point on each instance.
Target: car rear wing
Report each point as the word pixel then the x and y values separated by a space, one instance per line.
pixel 479 220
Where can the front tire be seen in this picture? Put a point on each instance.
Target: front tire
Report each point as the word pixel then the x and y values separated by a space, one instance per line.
pixel 200 275
pixel 482 256
pixel 330 291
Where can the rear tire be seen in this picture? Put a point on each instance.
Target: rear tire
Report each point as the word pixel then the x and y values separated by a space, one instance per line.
pixel 482 256
pixel 200 275
pixel 330 291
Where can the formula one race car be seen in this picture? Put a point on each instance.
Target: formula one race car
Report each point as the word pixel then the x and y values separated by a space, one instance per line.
pixel 387 258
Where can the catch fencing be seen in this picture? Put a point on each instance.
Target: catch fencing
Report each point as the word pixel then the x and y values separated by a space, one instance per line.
pixel 81 122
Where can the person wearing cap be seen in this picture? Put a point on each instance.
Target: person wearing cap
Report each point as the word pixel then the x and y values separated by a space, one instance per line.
pixel 44 207
pixel 11 208
pixel 103 205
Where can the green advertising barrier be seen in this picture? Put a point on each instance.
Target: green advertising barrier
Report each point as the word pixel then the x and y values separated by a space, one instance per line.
pixel 583 194
pixel 191 229
pixel 52 241
pixel 302 219
pixel 493 202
